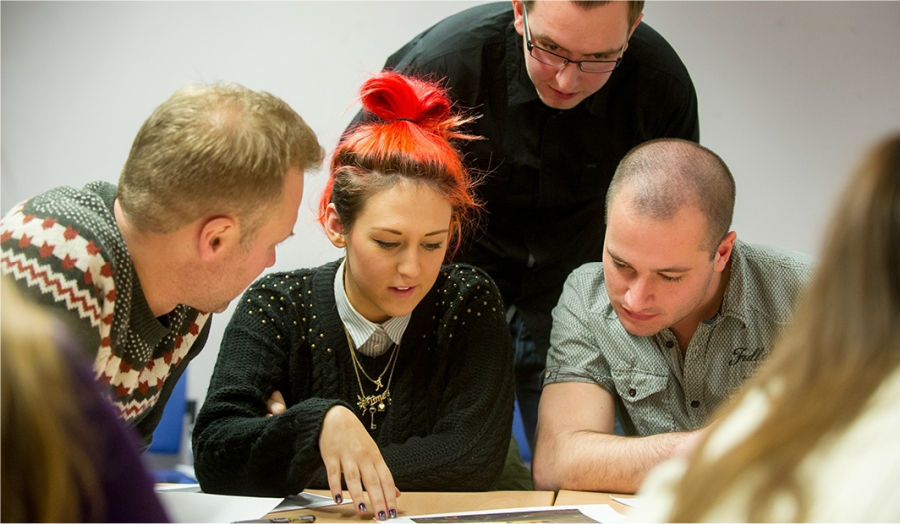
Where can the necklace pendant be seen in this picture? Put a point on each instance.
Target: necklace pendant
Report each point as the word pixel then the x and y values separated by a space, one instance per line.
pixel 378 400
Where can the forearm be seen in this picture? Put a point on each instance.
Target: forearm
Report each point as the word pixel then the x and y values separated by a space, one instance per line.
pixel 258 455
pixel 593 461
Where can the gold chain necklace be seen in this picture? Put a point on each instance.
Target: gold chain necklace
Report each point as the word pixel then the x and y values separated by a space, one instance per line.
pixel 374 402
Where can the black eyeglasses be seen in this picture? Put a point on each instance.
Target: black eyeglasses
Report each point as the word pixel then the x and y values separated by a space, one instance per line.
pixel 552 59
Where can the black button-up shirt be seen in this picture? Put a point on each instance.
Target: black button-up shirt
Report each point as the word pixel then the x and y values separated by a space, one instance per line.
pixel 546 170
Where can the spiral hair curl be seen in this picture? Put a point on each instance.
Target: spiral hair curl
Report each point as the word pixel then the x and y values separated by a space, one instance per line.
pixel 408 135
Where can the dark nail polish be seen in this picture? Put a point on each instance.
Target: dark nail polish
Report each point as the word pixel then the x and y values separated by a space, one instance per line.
pixel 382 515
pixel 393 513
pixel 338 498
pixel 362 507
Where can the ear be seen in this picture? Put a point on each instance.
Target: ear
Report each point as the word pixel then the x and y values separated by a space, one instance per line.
pixel 217 235
pixel 518 6
pixel 334 228
pixel 634 26
pixel 723 252
pixel 631 31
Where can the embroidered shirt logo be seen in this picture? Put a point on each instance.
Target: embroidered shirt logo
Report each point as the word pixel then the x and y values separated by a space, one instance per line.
pixel 746 355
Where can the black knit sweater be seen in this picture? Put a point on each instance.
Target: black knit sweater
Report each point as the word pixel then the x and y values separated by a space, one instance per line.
pixel 447 429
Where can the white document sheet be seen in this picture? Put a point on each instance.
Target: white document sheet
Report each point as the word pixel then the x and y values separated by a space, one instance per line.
pixel 194 506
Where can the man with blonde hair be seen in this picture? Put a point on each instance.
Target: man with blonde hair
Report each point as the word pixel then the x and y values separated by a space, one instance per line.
pixel 212 184
pixel 677 315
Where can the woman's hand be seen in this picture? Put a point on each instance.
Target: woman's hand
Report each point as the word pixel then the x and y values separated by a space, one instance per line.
pixel 348 449
pixel 275 405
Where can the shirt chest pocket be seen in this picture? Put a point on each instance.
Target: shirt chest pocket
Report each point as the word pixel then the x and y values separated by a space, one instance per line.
pixel 646 398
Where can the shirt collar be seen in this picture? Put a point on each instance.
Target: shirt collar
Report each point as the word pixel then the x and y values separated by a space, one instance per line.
pixel 738 292
pixel 359 327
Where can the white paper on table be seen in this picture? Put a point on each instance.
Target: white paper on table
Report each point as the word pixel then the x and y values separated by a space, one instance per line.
pixel 597 512
pixel 305 500
pixel 193 506
pixel 633 502
pixel 193 488
pixel 602 513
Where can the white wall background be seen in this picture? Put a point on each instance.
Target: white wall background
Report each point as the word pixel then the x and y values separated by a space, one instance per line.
pixel 790 93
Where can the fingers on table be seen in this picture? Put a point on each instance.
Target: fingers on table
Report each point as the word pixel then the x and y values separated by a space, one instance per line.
pixel 371 488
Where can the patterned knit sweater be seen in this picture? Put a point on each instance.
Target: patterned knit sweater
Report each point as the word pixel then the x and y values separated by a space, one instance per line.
pixel 63 249
pixel 448 426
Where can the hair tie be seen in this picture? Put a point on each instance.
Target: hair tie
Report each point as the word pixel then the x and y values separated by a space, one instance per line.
pixel 405 119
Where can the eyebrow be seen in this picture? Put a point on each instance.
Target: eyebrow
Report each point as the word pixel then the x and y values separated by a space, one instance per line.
pixel 675 269
pixel 546 39
pixel 395 232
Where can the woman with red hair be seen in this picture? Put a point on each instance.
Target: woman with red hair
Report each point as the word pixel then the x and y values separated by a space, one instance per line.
pixel 396 368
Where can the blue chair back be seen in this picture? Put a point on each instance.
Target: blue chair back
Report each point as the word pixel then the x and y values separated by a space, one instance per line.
pixel 519 434
pixel 170 431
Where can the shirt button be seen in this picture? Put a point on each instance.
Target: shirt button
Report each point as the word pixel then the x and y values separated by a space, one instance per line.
pixel 695 403
pixel 670 344
pixel 632 392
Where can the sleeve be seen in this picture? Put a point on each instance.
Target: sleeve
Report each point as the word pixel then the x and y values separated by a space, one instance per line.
pixel 50 263
pixel 665 91
pixel 237 449
pixel 681 103
pixel 574 355
pixel 468 445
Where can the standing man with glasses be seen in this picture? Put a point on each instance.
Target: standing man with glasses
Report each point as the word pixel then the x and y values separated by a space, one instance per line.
pixel 565 89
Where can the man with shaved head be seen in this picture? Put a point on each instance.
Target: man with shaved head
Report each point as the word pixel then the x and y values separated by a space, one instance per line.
pixel 677 315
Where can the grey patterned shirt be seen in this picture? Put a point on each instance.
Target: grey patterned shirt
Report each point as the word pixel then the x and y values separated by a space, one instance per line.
pixel 655 389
